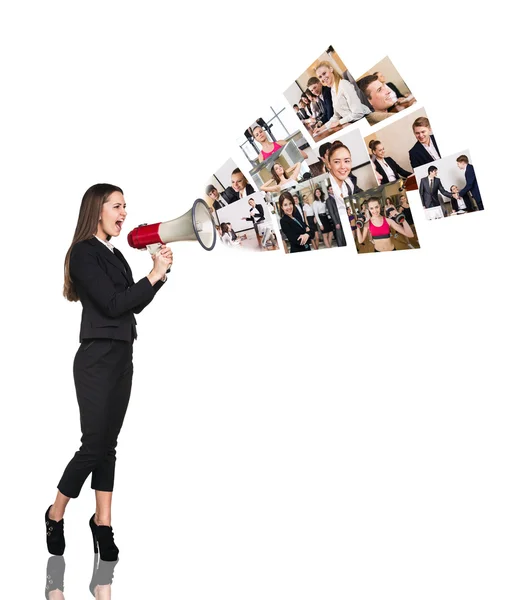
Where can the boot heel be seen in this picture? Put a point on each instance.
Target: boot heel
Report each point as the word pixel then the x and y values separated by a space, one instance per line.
pixel 95 541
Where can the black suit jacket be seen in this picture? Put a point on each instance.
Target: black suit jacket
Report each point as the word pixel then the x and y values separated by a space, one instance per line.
pixel 472 186
pixel 107 291
pixel 429 198
pixel 398 171
pixel 292 230
pixel 419 156
pixel 260 210
pixel 328 107
pixel 467 202
pixel 230 195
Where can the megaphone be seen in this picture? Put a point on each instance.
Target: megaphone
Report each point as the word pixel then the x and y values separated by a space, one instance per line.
pixel 195 225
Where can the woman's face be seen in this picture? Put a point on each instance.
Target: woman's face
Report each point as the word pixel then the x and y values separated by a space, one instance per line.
pixel 251 203
pixel 288 207
pixel 374 208
pixel 279 169
pixel 379 151
pixel 348 211
pixel 317 193
pixel 454 189
pixel 340 164
pixel 112 215
pixel 325 75
pixel 259 134
pixel 296 200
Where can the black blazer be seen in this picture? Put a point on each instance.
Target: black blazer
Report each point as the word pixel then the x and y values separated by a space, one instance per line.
pixel 472 186
pixel 107 291
pixel 429 198
pixel 419 156
pixel 328 107
pixel 398 171
pixel 467 202
pixel 258 219
pixel 230 194
pixel 292 230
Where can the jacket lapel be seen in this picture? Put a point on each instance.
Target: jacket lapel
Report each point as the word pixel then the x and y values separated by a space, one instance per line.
pixel 111 257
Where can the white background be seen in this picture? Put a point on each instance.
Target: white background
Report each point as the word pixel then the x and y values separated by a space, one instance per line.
pixel 359 444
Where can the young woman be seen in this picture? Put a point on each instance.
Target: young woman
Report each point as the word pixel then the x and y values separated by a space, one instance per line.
pixel 282 179
pixel 294 230
pixel 388 169
pixel 352 219
pixel 259 220
pixel 98 275
pixel 379 228
pixel 228 235
pixel 268 147
pixel 308 212
pixel 346 103
pixel 320 212
pixel 405 210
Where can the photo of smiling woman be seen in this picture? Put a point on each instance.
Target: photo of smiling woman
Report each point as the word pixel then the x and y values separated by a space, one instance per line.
pixel 293 228
pixel 97 275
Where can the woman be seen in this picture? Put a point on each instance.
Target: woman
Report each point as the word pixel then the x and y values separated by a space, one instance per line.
pixel 293 229
pixel 352 219
pixel 379 228
pixel 283 179
pixel 268 147
pixel 385 166
pixel 459 204
pixel 405 210
pixel 322 218
pixel 259 221
pixel 308 213
pixel 99 276
pixel 228 235
pixel 346 103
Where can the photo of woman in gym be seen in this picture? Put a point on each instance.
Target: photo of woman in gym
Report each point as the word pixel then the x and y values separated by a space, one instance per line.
pixel 97 275
pixel 379 227
pixel 282 178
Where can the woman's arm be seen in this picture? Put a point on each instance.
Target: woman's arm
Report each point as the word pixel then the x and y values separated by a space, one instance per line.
pixel 270 186
pixel 356 110
pixel 361 234
pixel 404 228
pixel 316 215
pixel 292 172
pixel 87 272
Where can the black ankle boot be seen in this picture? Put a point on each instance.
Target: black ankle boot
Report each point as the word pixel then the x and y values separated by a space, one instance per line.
pixel 54 575
pixel 103 574
pixel 54 535
pixel 103 540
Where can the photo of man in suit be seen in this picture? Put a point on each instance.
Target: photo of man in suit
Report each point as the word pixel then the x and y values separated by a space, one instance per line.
pixel 425 150
pixel 429 189
pixel 324 95
pixel 471 181
pixel 382 99
pixel 218 200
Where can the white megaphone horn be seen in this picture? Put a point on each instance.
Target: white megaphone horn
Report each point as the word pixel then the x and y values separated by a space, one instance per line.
pixel 195 225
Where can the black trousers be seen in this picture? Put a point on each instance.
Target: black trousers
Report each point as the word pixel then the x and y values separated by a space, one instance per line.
pixel 103 379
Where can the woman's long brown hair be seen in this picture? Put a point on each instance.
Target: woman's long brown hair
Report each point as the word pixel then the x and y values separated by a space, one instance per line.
pixel 87 226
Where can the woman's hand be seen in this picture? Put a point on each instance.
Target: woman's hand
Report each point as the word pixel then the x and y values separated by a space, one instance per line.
pixel 303 239
pixel 162 261
pixel 322 228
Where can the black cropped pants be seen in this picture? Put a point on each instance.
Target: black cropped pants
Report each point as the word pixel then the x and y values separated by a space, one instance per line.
pixel 102 370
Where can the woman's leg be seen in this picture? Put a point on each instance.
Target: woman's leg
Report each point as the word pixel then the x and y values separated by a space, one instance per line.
pixel 103 508
pixel 326 237
pixel 58 508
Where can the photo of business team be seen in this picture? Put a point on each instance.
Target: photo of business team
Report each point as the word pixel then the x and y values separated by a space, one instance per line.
pixel 326 97
pixel 398 148
pixel 381 220
pixel 385 90
pixel 449 187
pixel 305 219
pixel 247 224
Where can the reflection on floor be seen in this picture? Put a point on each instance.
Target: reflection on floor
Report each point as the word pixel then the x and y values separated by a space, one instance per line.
pixel 251 241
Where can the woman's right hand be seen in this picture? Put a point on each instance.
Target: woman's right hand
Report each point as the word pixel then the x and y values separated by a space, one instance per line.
pixel 303 238
pixel 322 228
pixel 162 260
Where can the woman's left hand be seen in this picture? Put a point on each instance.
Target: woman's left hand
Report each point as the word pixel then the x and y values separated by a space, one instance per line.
pixel 165 252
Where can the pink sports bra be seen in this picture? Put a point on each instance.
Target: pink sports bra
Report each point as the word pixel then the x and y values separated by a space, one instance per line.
pixel 381 232
pixel 276 146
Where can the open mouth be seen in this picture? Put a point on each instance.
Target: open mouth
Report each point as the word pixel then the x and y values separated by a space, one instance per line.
pixel 119 225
